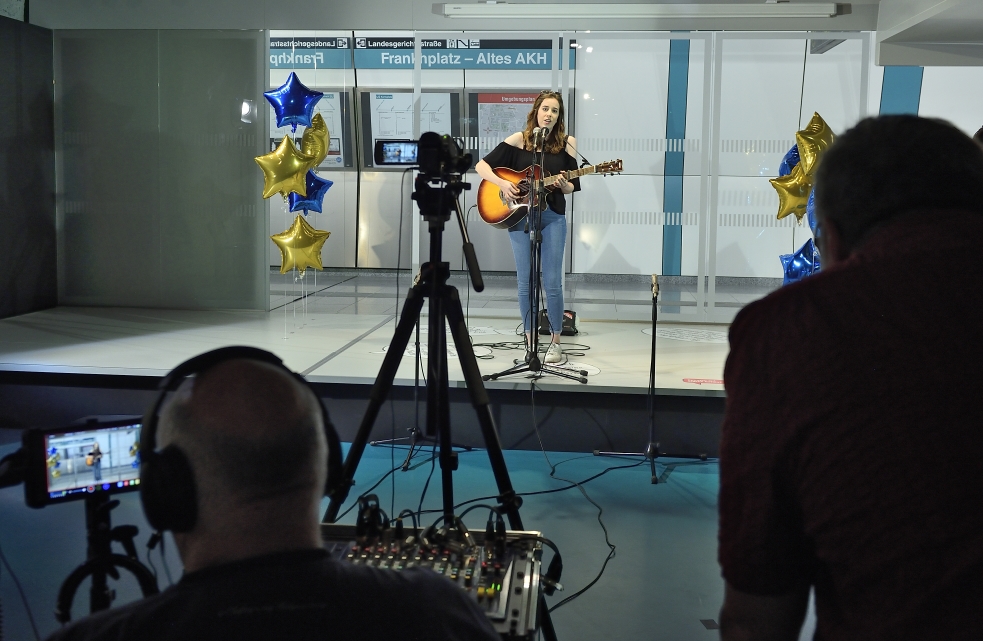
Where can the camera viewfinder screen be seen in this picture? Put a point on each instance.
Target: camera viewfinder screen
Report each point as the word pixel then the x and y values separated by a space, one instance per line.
pixel 101 460
pixel 399 152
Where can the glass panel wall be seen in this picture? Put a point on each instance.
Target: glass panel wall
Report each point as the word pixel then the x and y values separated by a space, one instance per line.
pixel 767 87
pixel 640 99
pixel 700 122
pixel 151 166
pixel 157 195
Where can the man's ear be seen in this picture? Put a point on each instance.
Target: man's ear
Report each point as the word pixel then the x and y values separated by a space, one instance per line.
pixel 830 242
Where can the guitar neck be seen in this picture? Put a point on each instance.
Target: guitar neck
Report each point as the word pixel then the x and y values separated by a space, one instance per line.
pixel 577 173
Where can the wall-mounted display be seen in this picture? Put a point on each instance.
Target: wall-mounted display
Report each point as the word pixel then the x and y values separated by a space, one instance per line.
pixel 388 115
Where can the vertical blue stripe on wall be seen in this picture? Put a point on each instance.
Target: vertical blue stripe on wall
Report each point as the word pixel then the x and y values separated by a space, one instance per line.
pixel 902 90
pixel 672 235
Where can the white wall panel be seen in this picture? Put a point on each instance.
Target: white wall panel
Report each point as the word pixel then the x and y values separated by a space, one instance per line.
pixel 698 50
pixel 955 94
pixel 876 83
pixel 749 236
pixel 761 83
pixel 832 86
pixel 617 226
pixel 689 265
pixel 621 101
pixel 523 79
pixel 380 199
pixel 800 234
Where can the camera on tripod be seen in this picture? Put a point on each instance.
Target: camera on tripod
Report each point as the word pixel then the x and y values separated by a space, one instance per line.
pixel 437 156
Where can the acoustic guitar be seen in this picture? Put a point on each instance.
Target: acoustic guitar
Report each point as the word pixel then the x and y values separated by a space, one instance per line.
pixel 498 211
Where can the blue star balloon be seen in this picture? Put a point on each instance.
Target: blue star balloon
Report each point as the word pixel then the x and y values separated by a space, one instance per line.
pixel 802 263
pixel 316 188
pixel 789 162
pixel 811 213
pixel 293 103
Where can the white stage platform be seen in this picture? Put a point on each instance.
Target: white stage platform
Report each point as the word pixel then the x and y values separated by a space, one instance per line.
pixel 349 347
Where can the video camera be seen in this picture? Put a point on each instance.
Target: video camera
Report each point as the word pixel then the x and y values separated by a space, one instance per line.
pixel 437 156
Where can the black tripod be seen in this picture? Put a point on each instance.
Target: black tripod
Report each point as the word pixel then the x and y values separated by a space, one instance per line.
pixel 416 436
pixel 532 362
pixel 652 451
pixel 445 310
pixel 100 560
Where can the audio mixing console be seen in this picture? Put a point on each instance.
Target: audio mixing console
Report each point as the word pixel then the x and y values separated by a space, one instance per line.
pixel 501 573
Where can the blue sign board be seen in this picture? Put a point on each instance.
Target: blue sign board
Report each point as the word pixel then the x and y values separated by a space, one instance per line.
pixel 310 53
pixel 397 53
pixel 456 53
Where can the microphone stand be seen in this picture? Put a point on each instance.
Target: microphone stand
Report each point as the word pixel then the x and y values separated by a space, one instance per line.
pixel 537 199
pixel 652 450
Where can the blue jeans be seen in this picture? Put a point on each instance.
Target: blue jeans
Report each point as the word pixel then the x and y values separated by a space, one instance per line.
pixel 554 229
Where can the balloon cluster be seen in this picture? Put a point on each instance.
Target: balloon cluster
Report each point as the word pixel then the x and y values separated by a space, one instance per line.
pixel 288 171
pixel 804 262
pixel 796 171
pixel 795 193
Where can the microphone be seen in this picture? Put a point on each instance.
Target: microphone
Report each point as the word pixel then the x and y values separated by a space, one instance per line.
pixel 535 135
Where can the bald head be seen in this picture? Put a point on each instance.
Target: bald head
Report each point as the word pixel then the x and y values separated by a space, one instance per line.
pixel 251 431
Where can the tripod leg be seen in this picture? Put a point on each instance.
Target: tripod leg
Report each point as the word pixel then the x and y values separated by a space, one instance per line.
pixel 438 400
pixel 380 391
pixel 481 403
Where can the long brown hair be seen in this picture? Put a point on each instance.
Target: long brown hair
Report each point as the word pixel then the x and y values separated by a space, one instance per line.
pixel 557 140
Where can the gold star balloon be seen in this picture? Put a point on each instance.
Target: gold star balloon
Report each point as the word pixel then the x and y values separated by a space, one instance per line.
pixel 315 140
pixel 285 169
pixel 300 246
pixel 793 193
pixel 813 141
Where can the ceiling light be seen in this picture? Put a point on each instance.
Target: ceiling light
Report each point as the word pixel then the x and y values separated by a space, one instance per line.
pixel 675 11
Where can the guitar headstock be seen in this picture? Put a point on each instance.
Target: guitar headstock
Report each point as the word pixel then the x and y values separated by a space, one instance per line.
pixel 610 167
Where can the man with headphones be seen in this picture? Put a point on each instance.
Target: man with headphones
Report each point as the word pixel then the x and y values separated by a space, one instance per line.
pixel 235 465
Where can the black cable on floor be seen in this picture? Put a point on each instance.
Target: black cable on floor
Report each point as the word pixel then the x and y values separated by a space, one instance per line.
pixel 612 549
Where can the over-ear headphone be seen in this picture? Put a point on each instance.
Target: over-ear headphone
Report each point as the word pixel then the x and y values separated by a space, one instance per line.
pixel 167 482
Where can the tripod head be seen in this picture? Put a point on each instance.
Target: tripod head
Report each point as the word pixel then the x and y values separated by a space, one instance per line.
pixel 438 189
pixel 439 183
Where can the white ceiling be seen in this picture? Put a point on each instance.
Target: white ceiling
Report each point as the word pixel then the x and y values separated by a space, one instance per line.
pixel 930 32
pixel 916 32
